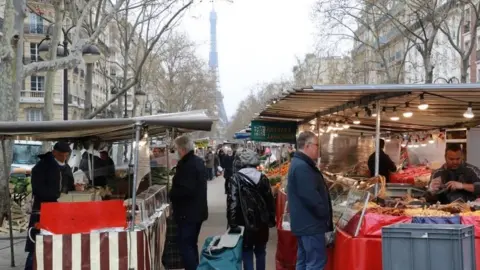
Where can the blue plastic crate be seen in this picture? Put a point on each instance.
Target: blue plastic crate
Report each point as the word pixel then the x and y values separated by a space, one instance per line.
pixel 437 220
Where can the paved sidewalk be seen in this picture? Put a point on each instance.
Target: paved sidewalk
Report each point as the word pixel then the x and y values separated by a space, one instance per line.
pixel 20 255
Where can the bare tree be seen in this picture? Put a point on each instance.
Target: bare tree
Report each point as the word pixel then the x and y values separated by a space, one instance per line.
pixel 465 18
pixel 178 79
pixel 342 22
pixel 258 98
pixel 141 29
pixel 329 69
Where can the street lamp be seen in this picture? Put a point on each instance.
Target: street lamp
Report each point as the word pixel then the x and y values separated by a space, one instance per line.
pixel 141 97
pixel 90 53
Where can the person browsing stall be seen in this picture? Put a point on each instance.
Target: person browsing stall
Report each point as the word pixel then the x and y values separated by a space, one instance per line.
pixel 51 177
pixel 385 163
pixel 309 204
pixel 189 200
pixel 456 179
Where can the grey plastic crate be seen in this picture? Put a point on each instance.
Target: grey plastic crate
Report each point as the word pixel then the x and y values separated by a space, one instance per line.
pixel 428 247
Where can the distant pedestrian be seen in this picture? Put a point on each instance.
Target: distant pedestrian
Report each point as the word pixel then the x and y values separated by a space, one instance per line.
pixel 189 200
pixel 309 204
pixel 209 163
pixel 227 163
pixel 250 203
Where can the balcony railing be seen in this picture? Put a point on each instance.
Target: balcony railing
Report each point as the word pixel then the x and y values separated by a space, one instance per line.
pixel 478 55
pixel 39 29
pixel 32 94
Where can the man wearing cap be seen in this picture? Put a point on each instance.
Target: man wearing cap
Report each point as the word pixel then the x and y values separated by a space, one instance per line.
pixel 51 176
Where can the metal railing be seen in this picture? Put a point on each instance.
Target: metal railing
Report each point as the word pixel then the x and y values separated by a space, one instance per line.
pixel 32 94
pixel 39 29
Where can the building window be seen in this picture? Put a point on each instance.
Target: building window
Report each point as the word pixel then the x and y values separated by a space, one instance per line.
pixel 37 83
pixel 34 114
pixel 34 52
pixel 36 24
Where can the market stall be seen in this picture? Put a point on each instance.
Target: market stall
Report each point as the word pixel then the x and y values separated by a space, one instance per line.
pixel 121 234
pixel 384 111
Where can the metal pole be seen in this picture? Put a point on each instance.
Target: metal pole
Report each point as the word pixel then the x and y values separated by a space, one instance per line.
pixel 9 205
pixel 65 82
pixel 125 114
pixel 138 127
pixel 377 144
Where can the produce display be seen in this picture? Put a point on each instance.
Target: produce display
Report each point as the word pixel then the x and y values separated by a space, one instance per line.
pixel 280 170
pixel 418 176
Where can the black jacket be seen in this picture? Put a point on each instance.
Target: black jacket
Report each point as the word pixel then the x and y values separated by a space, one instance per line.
pixel 250 203
pixel 227 165
pixel 189 190
pixel 467 174
pixel 385 165
pixel 49 180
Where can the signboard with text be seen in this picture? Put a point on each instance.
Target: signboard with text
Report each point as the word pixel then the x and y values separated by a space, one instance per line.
pixel 281 132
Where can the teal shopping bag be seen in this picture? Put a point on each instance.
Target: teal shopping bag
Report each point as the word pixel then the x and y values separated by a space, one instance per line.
pixel 222 252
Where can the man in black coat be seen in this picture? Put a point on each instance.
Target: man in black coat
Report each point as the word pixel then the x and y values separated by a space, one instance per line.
pixel 51 176
pixel 385 165
pixel 189 200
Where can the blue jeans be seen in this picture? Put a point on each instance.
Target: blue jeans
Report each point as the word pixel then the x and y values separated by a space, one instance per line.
pixel 29 261
pixel 187 234
pixel 312 252
pixel 260 252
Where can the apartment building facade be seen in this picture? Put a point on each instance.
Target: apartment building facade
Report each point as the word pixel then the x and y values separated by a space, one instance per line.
pixel 314 70
pixel 33 92
pixel 383 47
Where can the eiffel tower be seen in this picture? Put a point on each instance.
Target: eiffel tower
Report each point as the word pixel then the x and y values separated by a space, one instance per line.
pixel 213 65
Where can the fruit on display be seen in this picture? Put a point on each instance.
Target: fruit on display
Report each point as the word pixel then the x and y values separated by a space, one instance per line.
pixel 281 170
pixel 21 184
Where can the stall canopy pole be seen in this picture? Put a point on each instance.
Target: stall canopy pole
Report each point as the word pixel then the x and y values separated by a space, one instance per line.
pixel 377 144
pixel 9 205
pixel 138 127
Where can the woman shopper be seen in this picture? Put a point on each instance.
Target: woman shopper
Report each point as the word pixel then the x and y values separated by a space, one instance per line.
pixel 250 204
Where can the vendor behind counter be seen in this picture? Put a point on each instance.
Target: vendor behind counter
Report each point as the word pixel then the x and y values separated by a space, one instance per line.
pixel 385 163
pixel 455 180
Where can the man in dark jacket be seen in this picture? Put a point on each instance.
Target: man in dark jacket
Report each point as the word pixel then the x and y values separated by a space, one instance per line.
pixel 250 203
pixel 189 200
pixel 51 176
pixel 385 165
pixel 309 204
pixel 209 163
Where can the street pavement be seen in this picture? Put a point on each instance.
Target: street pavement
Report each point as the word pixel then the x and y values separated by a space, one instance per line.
pixel 215 225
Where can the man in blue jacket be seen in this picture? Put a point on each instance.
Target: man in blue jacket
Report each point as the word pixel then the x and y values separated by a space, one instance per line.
pixel 309 204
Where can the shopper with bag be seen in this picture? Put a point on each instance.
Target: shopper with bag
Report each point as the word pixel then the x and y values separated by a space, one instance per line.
pixel 309 204
pixel 250 204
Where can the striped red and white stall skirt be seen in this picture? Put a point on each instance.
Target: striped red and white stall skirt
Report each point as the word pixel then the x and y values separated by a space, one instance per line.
pixel 139 250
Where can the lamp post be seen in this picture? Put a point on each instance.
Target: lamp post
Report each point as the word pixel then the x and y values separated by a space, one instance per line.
pixel 90 53
pixel 141 97
pixel 150 103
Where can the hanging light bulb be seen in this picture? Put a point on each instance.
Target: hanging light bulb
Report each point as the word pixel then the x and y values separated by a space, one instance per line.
pixel 469 113
pixel 394 116
pixel 374 110
pixel 416 145
pixel 404 144
pixel 423 105
pixel 431 140
pixel 356 121
pixel 423 143
pixel 388 139
pixel 346 125
pixel 407 113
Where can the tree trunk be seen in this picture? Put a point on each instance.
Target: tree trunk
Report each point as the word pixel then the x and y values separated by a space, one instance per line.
pixel 463 70
pixel 88 89
pixel 48 114
pixel 427 59
pixel 13 12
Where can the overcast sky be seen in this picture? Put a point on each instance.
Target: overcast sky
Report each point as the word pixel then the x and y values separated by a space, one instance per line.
pixel 257 41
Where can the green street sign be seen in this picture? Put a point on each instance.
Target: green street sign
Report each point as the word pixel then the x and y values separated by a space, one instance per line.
pixel 281 132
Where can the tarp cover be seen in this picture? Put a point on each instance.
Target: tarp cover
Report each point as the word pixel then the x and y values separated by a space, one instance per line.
pixel 115 129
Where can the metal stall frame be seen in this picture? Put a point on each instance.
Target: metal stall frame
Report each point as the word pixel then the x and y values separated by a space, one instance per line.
pixel 107 130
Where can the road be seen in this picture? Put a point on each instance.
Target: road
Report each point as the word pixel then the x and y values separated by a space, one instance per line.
pixel 216 224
